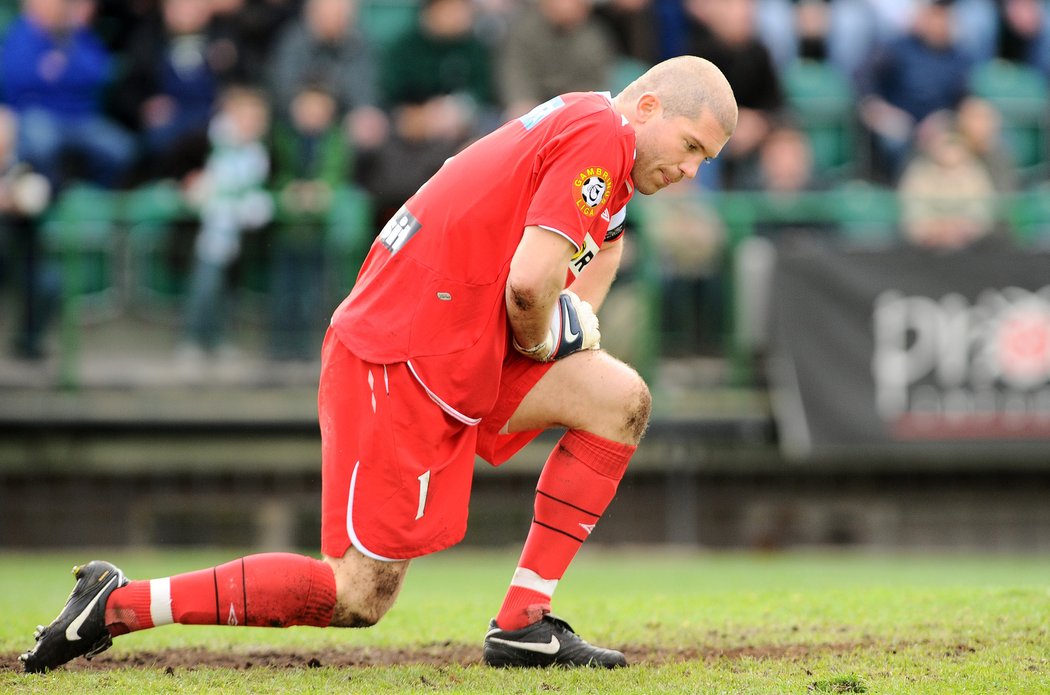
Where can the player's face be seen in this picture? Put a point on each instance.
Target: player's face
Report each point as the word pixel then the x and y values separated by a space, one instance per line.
pixel 668 149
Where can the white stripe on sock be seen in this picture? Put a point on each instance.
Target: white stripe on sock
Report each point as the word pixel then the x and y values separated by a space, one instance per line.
pixel 527 579
pixel 160 601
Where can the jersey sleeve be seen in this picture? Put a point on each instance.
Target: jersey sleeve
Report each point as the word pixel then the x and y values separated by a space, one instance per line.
pixel 577 172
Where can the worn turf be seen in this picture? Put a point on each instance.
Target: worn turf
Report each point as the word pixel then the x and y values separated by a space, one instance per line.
pixel 689 622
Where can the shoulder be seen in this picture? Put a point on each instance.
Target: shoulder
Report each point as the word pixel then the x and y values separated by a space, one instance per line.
pixel 593 107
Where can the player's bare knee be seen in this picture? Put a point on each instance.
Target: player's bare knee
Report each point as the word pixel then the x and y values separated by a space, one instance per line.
pixel 361 606
pixel 637 408
pixel 357 615
pixel 365 589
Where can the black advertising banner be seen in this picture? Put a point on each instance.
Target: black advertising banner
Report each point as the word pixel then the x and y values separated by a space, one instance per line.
pixel 907 351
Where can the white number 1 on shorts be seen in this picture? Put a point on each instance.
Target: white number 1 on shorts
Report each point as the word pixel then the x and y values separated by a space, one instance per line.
pixel 424 485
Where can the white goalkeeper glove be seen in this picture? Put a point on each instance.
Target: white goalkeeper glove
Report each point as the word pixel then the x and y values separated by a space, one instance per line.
pixel 573 327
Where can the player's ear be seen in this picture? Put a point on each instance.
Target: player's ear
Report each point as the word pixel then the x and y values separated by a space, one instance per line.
pixel 647 106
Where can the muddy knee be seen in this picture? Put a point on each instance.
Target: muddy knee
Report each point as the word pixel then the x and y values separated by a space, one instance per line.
pixel 356 615
pixel 365 589
pixel 637 407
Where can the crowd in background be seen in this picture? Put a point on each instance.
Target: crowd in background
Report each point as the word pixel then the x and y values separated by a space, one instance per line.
pixel 235 99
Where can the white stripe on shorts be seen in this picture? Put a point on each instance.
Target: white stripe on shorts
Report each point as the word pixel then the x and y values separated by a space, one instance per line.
pixel 350 523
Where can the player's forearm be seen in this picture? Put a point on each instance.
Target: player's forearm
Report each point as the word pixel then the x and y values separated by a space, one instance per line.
pixel 537 276
pixel 592 285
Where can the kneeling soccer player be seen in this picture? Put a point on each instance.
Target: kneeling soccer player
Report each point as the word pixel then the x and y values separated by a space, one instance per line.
pixel 470 329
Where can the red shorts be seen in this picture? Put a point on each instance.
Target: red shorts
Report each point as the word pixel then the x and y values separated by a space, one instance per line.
pixel 396 469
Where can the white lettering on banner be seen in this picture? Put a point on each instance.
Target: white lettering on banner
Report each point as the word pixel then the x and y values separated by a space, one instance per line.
pixel 953 362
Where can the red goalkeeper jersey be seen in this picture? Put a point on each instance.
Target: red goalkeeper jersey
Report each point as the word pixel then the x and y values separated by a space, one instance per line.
pixel 431 291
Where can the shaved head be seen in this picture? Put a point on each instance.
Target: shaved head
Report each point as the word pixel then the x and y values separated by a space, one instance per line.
pixel 682 111
pixel 687 86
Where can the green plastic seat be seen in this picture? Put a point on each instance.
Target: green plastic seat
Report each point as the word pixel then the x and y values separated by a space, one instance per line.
pixel 80 232
pixel 157 280
pixel 382 21
pixel 824 102
pixel 348 237
pixel 867 215
pixel 1028 214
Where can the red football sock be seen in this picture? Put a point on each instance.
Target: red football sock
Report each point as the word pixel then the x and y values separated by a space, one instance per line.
pixel 268 590
pixel 576 485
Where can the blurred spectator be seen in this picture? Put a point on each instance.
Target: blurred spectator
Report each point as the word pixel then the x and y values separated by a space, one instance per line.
pixel 914 76
pixel 423 136
pixel 947 197
pixel 243 34
pixel 980 127
pixel 24 195
pixel 230 193
pixel 553 47
pixel 786 216
pixel 1023 35
pixel 326 45
pixel 441 56
pixel 723 31
pixel 690 239
pixel 311 162
pixel 116 20
pixel 53 70
pixel 785 174
pixel 812 22
pixel 786 162
pixel 633 25
pixel 168 89
pixel 493 17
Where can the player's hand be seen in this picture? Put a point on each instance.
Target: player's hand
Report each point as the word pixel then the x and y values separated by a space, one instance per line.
pixel 573 327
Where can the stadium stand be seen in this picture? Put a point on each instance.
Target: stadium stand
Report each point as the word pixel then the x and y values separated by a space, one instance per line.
pixel 1021 94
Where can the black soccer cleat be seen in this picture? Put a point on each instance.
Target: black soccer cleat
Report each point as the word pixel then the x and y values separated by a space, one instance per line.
pixel 550 641
pixel 80 629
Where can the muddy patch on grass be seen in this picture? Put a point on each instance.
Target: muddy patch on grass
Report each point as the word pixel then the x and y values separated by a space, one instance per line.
pixel 446 654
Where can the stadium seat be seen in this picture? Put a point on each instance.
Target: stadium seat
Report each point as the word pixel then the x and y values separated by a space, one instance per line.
pixel 823 100
pixel 80 231
pixel 349 236
pixel 157 279
pixel 384 20
pixel 1021 94
pixel 625 71
pixel 1028 215
pixel 867 215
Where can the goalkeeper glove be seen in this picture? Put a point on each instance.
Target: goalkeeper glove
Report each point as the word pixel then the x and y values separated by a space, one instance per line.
pixel 573 327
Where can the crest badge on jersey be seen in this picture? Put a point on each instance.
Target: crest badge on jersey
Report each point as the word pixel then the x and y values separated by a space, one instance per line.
pixel 592 188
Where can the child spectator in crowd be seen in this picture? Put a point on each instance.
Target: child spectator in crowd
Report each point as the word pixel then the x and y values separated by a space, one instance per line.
pixel 312 161
pixel 230 193
pixel 24 195
pixel 53 69
pixel 947 197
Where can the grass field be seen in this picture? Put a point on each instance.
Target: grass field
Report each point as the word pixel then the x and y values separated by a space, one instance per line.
pixel 690 622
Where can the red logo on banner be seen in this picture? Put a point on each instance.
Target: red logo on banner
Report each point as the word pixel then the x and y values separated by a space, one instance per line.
pixel 1022 342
